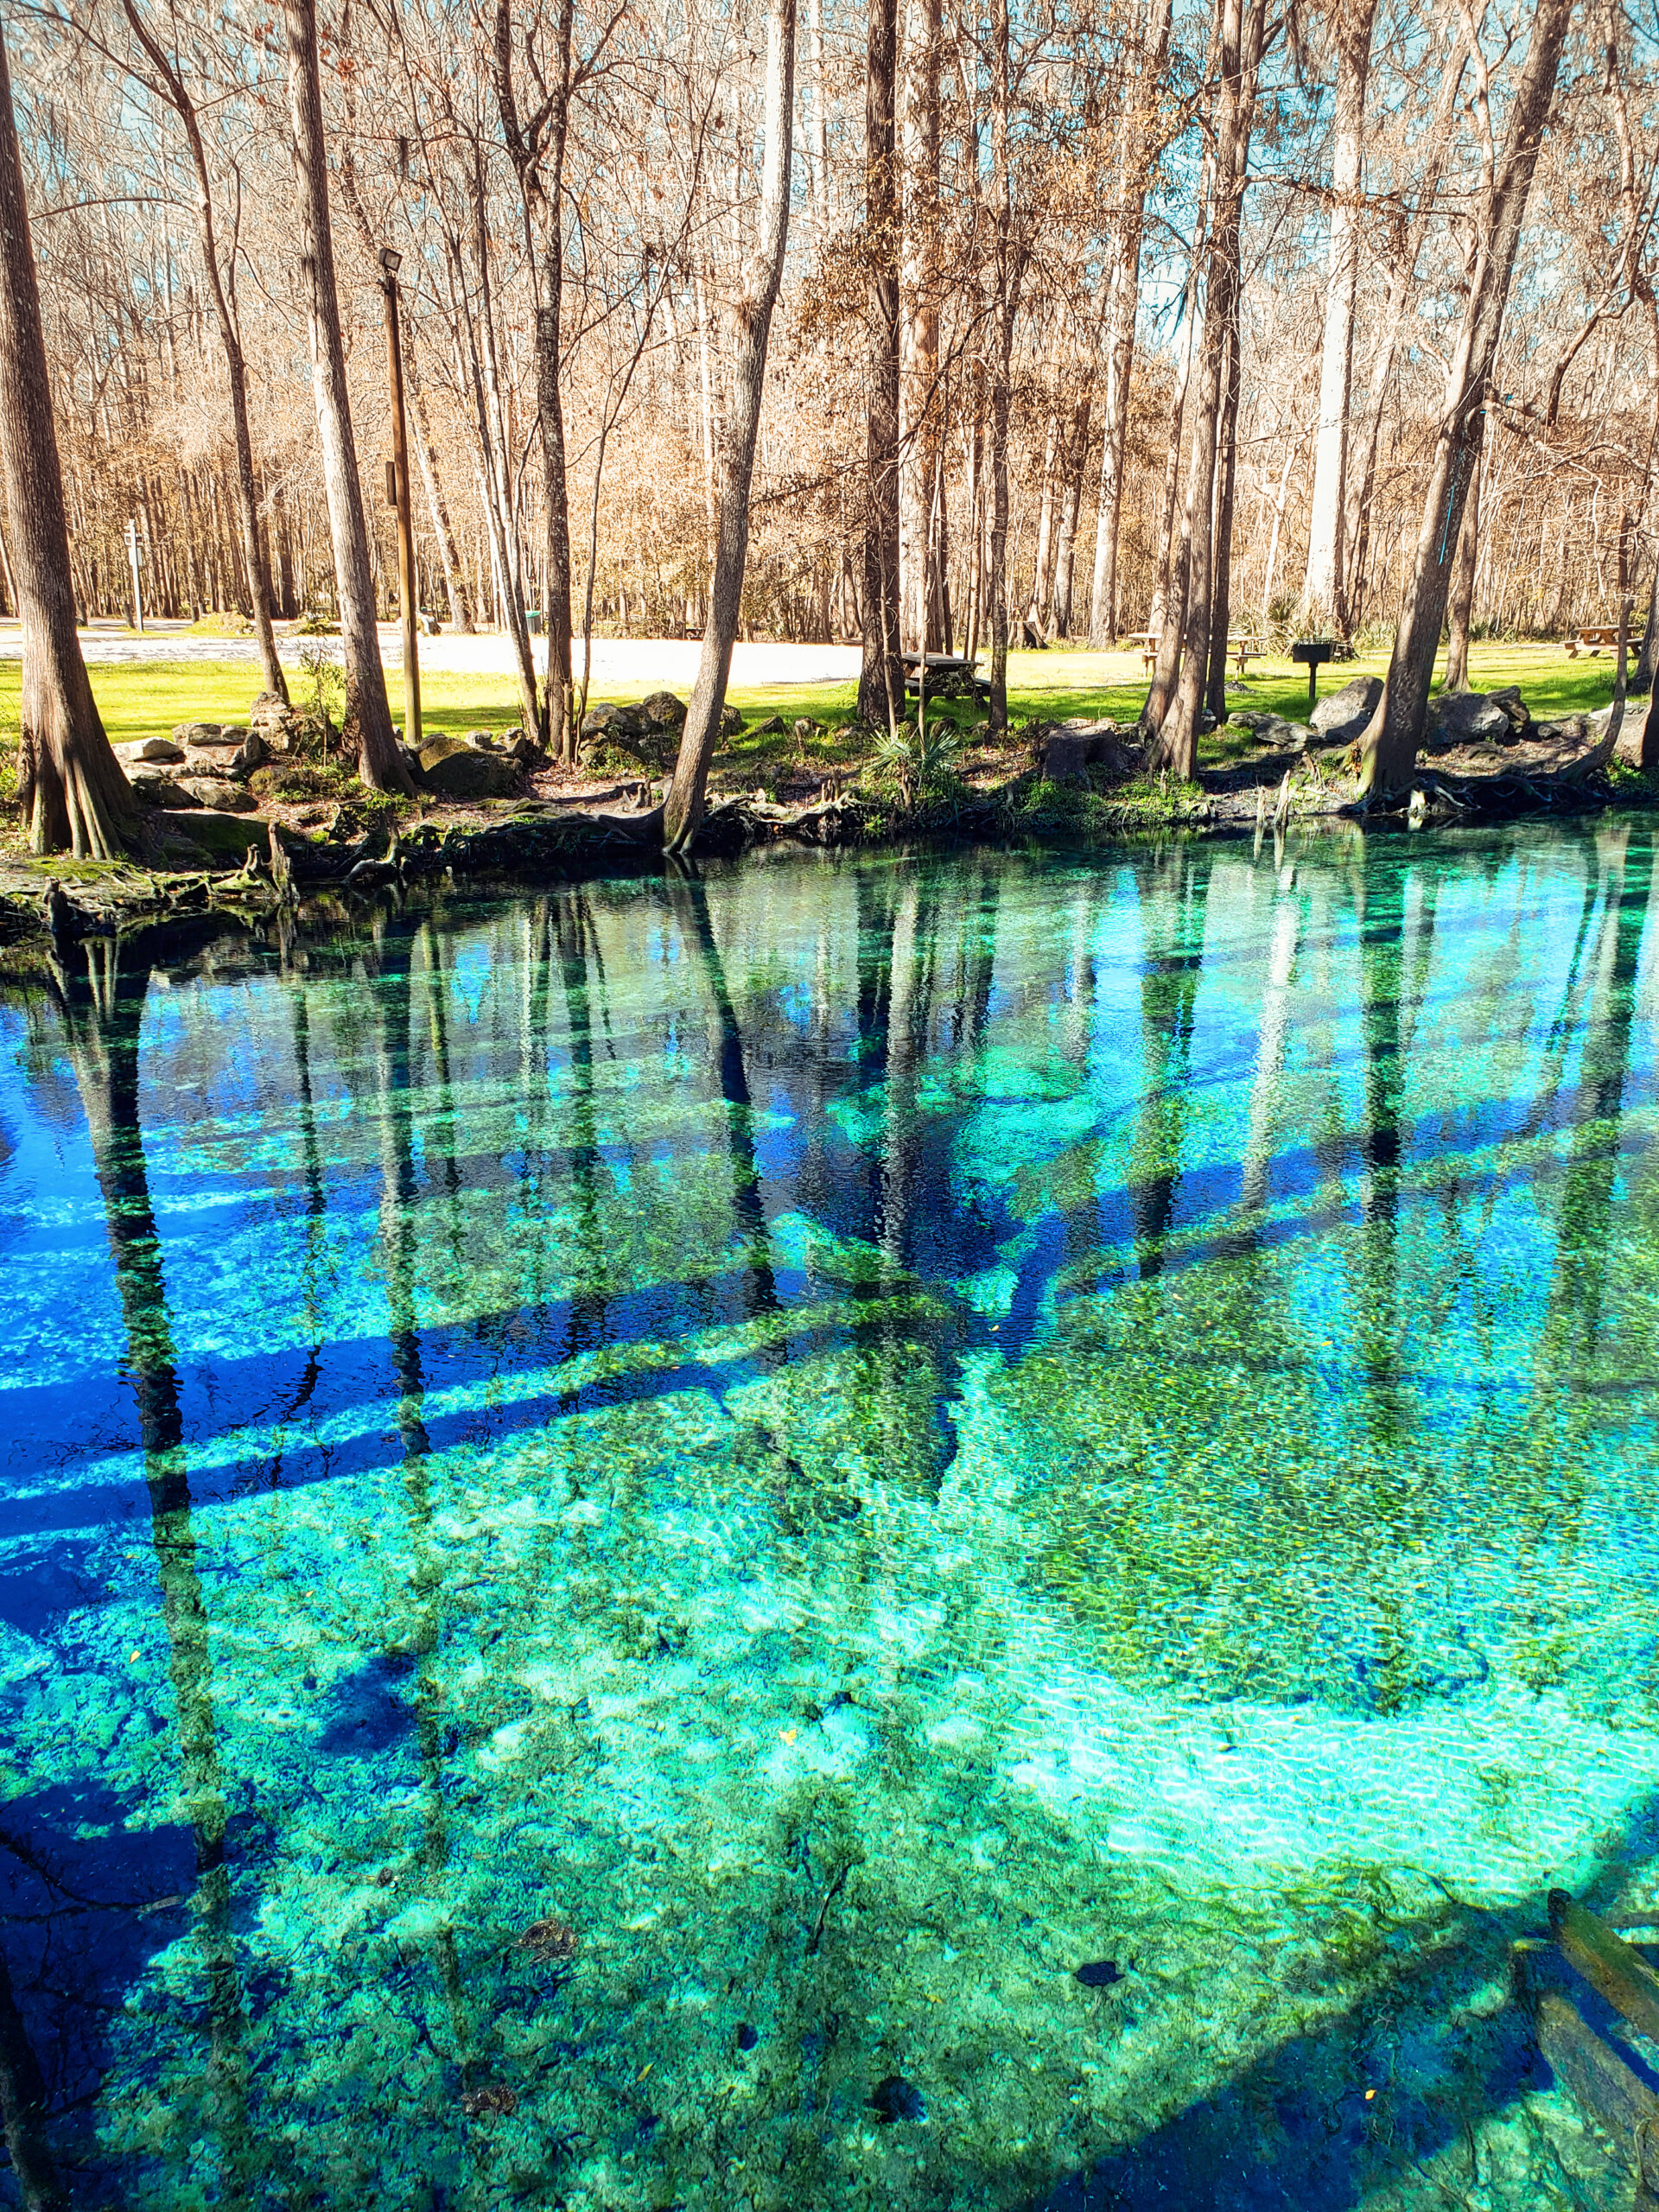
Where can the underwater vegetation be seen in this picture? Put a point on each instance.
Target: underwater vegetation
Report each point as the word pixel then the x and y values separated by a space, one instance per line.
pixel 952 1530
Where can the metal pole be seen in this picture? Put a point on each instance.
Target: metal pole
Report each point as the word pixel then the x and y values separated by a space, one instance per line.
pixel 405 523
pixel 132 562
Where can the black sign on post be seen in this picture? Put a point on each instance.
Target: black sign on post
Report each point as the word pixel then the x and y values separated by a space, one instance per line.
pixel 1315 652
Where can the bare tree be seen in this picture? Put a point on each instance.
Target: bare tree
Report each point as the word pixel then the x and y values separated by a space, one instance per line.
pixel 537 145
pixel 1323 599
pixel 758 296
pixel 1241 34
pixel 1396 730
pixel 380 764
pixel 74 794
pixel 168 84
pixel 1123 306
pixel 919 426
pixel 881 678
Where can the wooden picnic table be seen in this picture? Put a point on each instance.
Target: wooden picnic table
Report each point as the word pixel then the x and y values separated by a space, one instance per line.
pixel 954 669
pixel 1596 637
pixel 1241 646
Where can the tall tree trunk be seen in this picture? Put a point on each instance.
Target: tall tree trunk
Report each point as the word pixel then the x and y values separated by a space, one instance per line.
pixel 817 126
pixel 173 89
pixel 75 795
pixel 1222 563
pixel 540 169
pixel 1065 552
pixel 454 578
pixel 1324 599
pixel 415 392
pixel 1123 302
pixel 758 296
pixel 1168 608
pixel 1036 605
pixel 508 600
pixel 1461 592
pixel 881 677
pixel 1396 730
pixel 368 717
pixel 1240 30
pixel 919 413
pixel 1123 309
pixel 1007 270
pixel 1361 468
pixel 1642 674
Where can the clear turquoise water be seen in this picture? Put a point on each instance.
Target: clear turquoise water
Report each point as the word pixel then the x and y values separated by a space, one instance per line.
pixel 840 1440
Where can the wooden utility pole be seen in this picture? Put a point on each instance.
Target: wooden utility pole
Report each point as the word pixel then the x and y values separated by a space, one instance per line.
pixel 406 580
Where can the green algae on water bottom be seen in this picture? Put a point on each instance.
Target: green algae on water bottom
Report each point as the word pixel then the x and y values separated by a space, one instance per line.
pixel 854 1441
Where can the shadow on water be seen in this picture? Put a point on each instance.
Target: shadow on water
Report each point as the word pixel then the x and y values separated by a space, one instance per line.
pixel 1321 2120
pixel 896 1193
pixel 1317 2122
pixel 99 1010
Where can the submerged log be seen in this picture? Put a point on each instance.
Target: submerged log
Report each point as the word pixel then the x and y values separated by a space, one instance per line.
pixel 1609 1964
pixel 1603 2087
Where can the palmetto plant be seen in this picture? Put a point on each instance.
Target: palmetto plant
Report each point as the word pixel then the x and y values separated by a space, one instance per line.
pixel 919 760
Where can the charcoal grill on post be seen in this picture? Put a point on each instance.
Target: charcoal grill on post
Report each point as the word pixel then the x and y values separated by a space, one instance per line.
pixel 1315 652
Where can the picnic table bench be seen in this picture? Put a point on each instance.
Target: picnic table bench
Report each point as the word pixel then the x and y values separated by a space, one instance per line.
pixel 944 676
pixel 1241 646
pixel 1593 638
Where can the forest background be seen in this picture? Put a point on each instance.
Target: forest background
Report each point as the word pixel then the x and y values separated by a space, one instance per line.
pixel 1108 281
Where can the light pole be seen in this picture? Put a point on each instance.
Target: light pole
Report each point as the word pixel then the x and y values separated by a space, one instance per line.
pixel 398 487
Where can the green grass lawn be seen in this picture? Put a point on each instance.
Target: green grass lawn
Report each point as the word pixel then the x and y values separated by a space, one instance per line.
pixel 142 699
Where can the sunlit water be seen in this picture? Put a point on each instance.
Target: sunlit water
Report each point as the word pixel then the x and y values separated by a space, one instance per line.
pixel 635 1521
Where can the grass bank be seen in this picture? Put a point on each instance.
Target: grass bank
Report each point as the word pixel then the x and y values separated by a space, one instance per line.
pixel 141 698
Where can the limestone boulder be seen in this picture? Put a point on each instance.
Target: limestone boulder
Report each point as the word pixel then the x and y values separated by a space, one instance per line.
pixel 1066 758
pixel 1284 736
pixel 455 769
pixel 223 838
pixel 1340 717
pixel 274 721
pixel 1627 746
pixel 151 788
pixel 1467 718
pixel 197 733
pixel 160 749
pixel 222 793
pixel 1073 746
pixel 663 710
pixel 607 720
